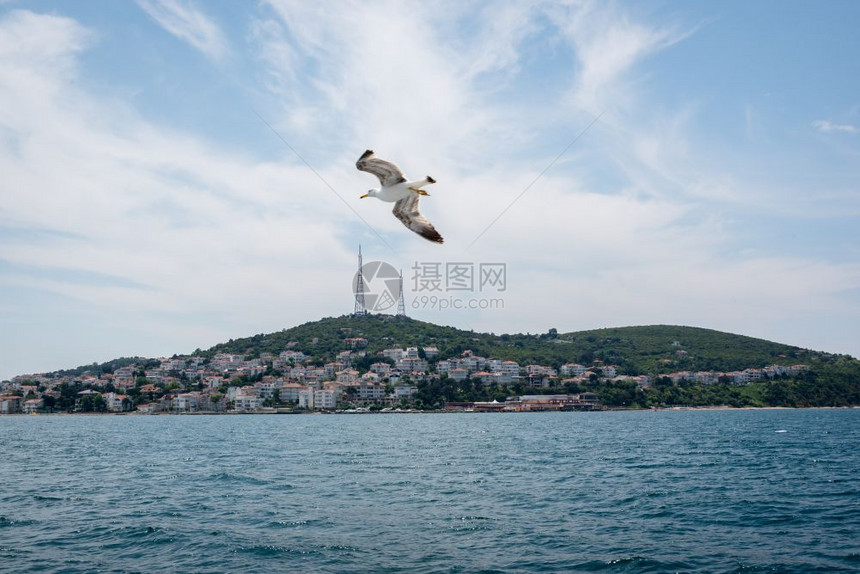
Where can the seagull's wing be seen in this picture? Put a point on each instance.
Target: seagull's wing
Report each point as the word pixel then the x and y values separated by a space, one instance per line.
pixel 406 210
pixel 388 173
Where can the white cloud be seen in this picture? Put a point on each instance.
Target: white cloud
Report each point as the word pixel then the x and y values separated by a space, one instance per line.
pixel 608 43
pixel 208 242
pixel 826 126
pixel 48 44
pixel 196 227
pixel 185 21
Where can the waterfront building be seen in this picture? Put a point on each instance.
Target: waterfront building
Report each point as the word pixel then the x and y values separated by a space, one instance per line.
pixel 10 405
pixel 247 403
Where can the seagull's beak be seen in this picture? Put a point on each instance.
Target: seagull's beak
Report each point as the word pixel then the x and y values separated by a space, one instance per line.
pixel 363 196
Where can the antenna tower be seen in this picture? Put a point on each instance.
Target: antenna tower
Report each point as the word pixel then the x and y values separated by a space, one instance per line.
pixel 401 304
pixel 359 289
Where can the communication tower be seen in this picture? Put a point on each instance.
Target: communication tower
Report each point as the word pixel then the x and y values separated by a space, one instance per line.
pixel 401 303
pixel 360 309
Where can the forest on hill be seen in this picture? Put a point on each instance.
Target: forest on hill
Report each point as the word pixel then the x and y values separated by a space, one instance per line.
pixel 652 349
pixel 655 351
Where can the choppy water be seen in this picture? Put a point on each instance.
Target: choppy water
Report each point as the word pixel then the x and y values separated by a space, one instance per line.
pixel 715 491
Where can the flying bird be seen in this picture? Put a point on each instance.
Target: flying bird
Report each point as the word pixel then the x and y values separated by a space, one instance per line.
pixel 405 194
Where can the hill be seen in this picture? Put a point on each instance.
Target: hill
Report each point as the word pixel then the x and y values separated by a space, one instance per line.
pixel 643 358
pixel 655 350
pixel 651 349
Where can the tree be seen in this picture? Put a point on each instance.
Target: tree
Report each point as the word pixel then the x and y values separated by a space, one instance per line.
pixel 99 404
pixel 86 404
pixel 49 402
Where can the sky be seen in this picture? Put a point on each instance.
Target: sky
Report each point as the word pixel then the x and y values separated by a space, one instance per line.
pixel 177 173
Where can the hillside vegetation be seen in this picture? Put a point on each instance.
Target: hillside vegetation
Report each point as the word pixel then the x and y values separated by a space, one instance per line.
pixel 832 380
pixel 652 349
pixel 656 350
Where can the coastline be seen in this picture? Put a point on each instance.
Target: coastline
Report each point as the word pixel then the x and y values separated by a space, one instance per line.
pixel 419 412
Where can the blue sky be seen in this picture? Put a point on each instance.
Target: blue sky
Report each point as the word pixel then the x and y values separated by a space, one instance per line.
pixel 146 209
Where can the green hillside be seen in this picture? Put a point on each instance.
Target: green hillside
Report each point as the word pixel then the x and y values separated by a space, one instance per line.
pixel 635 350
pixel 656 350
pixel 831 380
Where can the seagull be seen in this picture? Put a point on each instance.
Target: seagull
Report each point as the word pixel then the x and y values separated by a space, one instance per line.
pixel 395 188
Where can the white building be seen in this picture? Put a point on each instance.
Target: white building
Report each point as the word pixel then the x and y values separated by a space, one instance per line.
pixel 266 389
pixel 187 402
pixel 393 354
pixel 347 377
pixel 381 369
pixel 706 377
pixel 572 370
pixel 458 374
pixel 333 367
pixel 116 403
pixel 511 367
pixel 371 391
pixel 247 403
pixel 32 405
pixel 411 365
pixel 318 399
pixel 225 362
pixel 325 399
pixel 289 392
pixel 213 382
pixel 295 357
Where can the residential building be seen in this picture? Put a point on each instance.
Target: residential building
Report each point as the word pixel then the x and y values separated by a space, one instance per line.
pixel 706 378
pixel 511 367
pixel 371 392
pixel 333 367
pixel 117 403
pixel 186 402
pixel 431 353
pixel 10 404
pixel 32 406
pixel 294 357
pixel 411 365
pixel 381 369
pixel 458 374
pixel 289 392
pixel 247 403
pixel 393 354
pixel 347 377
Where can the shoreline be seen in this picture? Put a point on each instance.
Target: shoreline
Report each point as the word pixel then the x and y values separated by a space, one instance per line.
pixel 417 412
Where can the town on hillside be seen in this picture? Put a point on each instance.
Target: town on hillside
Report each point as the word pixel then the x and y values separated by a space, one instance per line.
pixel 392 380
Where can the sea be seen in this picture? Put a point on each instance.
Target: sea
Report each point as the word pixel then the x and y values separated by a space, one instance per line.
pixel 632 491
